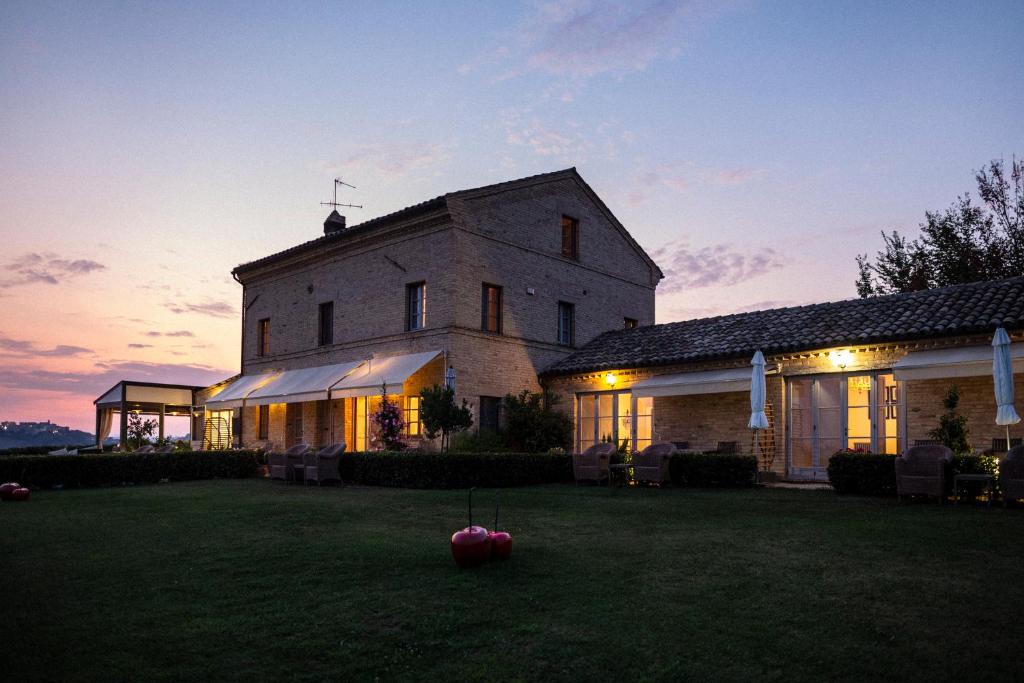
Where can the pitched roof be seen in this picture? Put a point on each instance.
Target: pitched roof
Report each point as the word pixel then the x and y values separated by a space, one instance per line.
pixel 437 203
pixel 974 308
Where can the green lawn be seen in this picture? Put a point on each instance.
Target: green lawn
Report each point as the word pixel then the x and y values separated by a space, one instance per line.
pixel 251 580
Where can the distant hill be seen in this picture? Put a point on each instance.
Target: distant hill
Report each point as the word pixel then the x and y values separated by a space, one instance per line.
pixel 24 434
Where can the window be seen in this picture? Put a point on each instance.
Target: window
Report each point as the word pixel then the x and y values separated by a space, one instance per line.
pixel 263 423
pixel 490 413
pixel 264 337
pixel 570 237
pixel 325 324
pixel 416 306
pixel 412 416
pixel 630 323
pixel 566 323
pixel 490 308
pixel 614 417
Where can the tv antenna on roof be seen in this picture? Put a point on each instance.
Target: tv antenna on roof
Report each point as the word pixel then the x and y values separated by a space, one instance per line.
pixel 335 204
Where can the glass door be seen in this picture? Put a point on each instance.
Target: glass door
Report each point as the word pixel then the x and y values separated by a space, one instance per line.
pixel 614 417
pixel 832 412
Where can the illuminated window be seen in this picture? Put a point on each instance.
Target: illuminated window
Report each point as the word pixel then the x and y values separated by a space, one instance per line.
pixel 412 416
pixel 614 417
pixel 360 416
pixel 264 337
pixel 263 422
pixel 570 237
pixel 416 306
pixel 490 308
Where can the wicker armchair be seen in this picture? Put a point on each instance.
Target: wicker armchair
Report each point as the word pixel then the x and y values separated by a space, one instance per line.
pixel 278 466
pixel 323 466
pixel 1011 474
pixel 923 471
pixel 293 460
pixel 651 464
pixel 592 464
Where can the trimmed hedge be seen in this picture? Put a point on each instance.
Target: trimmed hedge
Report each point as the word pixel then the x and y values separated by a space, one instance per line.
pixel 454 470
pixel 75 471
pixel 874 474
pixel 713 470
pixel 869 474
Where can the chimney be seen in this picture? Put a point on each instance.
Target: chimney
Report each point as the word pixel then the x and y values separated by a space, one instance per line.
pixel 334 223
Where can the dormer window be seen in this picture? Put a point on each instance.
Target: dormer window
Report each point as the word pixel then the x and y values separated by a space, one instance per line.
pixel 570 237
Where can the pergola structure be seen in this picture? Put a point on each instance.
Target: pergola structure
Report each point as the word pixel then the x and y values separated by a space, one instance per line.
pixel 145 398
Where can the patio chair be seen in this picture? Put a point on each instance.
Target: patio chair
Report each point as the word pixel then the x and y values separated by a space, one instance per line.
pixel 148 448
pixel 592 464
pixel 726 448
pixel 167 448
pixel 324 466
pixel 652 463
pixel 294 461
pixel 999 445
pixel 278 466
pixel 1011 474
pixel 923 471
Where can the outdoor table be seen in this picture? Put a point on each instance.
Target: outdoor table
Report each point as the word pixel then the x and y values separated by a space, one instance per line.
pixel 619 467
pixel 988 479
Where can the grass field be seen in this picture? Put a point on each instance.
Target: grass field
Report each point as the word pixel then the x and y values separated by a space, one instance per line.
pixel 250 580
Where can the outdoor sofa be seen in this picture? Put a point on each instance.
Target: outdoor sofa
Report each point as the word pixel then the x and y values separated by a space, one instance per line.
pixel 1011 474
pixel 323 465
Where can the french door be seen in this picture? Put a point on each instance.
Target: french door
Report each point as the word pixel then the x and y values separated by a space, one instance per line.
pixel 829 413
pixel 614 416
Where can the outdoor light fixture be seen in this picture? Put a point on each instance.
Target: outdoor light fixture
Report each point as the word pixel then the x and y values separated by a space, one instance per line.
pixel 610 379
pixel 841 359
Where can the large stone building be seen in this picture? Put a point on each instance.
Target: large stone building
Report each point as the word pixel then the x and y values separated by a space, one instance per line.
pixel 494 284
pixel 534 283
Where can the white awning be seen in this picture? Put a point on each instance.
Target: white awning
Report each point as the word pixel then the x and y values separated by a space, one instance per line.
pixel 686 383
pixel 296 386
pixel 964 361
pixel 235 393
pixel 392 372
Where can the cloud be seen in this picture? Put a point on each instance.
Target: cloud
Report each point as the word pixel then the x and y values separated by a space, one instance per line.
pixel 140 346
pixel 216 309
pixel 734 176
pixel 92 383
pixel 576 40
pixel 389 159
pixel 176 333
pixel 546 142
pixel 717 265
pixel 21 347
pixel 46 268
pixel 682 177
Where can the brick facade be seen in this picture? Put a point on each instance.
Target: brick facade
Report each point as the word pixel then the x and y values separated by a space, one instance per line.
pixel 508 235
pixel 703 420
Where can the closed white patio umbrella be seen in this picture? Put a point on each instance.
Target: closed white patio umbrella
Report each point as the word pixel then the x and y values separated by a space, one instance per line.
pixel 758 420
pixel 1002 378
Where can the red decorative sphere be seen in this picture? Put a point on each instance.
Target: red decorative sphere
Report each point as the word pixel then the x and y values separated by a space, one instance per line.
pixel 20 494
pixel 7 489
pixel 471 546
pixel 501 545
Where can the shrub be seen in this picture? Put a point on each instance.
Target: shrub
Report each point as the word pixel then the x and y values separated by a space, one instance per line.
pixel 976 464
pixel 73 471
pixel 454 470
pixel 871 474
pixel 952 431
pixel 713 469
pixel 484 441
pixel 441 416
pixel 534 425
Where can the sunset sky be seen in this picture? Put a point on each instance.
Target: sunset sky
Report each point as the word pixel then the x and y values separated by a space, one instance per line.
pixel 752 147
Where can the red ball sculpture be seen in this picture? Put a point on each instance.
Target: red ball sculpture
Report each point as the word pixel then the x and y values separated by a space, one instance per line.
pixel 501 541
pixel 20 494
pixel 7 489
pixel 471 546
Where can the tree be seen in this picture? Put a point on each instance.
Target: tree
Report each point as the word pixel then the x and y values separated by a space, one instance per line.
pixel 532 423
pixel 952 430
pixel 441 416
pixel 139 430
pixel 389 422
pixel 964 243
